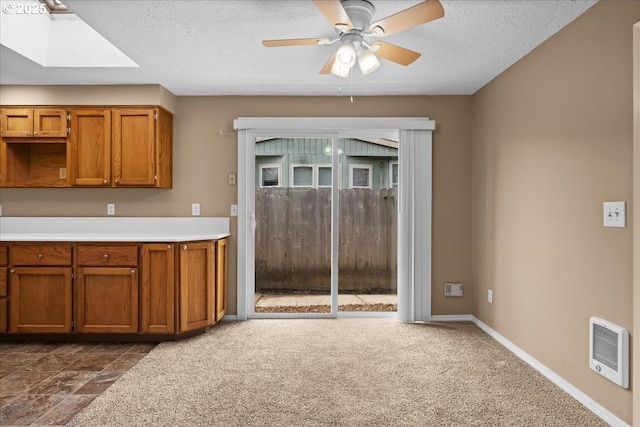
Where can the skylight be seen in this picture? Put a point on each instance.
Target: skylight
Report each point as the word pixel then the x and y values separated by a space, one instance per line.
pixel 51 36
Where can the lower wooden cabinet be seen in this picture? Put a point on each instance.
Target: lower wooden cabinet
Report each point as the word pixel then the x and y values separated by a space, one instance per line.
pixel 40 299
pixel 107 300
pixel 221 278
pixel 118 288
pixel 157 290
pixel 196 285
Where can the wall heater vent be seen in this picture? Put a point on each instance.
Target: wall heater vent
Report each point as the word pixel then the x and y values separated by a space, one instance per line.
pixel 453 289
pixel 609 351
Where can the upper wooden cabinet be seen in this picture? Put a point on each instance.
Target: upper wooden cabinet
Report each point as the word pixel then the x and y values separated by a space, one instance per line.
pixel 33 123
pixel 107 147
pixel 90 147
pixel 141 152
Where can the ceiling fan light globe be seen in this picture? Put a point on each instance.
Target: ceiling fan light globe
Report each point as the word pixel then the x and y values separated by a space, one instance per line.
pixel 368 61
pixel 346 54
pixel 340 70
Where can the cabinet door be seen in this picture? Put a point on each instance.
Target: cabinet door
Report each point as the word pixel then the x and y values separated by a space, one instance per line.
pixel 107 300
pixel 157 291
pixel 196 285
pixel 221 278
pixel 40 299
pixel 16 122
pixel 49 123
pixel 134 139
pixel 91 147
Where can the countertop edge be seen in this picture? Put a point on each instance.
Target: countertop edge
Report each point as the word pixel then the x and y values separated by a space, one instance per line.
pixel 110 237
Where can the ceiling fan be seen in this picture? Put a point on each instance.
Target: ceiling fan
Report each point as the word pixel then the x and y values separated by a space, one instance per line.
pixel 352 22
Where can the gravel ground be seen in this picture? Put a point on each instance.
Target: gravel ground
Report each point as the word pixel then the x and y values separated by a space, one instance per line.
pixel 326 308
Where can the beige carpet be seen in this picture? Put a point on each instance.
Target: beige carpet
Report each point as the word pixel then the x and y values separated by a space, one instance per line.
pixel 345 372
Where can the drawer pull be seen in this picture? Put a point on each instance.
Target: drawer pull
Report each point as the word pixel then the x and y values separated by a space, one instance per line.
pixel 40 256
pixel 105 256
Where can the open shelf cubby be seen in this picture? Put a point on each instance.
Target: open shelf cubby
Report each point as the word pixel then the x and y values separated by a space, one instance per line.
pixel 36 164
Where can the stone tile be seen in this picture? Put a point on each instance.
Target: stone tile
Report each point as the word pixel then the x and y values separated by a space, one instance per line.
pixel 112 348
pixel 142 348
pixel 65 382
pixel 125 362
pixel 52 362
pixel 64 412
pixel 21 382
pixel 76 347
pixel 26 409
pixel 5 400
pixel 10 347
pixel 99 383
pixel 17 361
pixel 92 362
pixel 43 347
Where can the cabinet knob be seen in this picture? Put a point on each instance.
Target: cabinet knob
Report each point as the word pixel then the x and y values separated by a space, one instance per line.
pixel 184 247
pixel 40 256
pixel 104 182
pixel 12 270
pixel 133 271
pixel 168 246
pixel 105 256
pixel 116 181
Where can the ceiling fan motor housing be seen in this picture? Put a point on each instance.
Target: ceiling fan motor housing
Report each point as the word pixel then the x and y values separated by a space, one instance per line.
pixel 360 12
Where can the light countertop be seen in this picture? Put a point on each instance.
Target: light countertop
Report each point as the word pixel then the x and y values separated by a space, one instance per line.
pixel 112 229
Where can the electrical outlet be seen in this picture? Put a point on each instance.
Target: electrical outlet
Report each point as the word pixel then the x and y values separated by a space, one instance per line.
pixel 195 209
pixel 614 214
pixel 0 210
pixel 234 210
pixel 111 209
pixel 232 179
pixel 490 296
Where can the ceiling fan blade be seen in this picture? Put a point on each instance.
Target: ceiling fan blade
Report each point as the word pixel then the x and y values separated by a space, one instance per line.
pixel 292 42
pixel 327 67
pixel 395 53
pixel 408 18
pixel 335 13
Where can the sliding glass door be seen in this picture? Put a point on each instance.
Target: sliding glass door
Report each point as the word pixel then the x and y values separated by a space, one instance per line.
pixel 325 225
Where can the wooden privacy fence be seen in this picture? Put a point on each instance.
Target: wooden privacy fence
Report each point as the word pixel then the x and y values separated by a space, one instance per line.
pixel 293 240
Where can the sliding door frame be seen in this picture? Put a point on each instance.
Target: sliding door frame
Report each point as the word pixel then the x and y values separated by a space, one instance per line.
pixel 414 254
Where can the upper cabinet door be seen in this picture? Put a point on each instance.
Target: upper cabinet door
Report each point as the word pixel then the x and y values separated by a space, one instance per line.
pixel 91 147
pixel 49 123
pixel 134 145
pixel 16 122
pixel 33 123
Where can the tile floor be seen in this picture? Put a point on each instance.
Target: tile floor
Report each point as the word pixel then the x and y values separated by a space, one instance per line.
pixel 49 383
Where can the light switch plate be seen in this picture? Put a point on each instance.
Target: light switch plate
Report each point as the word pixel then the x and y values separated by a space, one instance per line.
pixel 614 214
pixel 195 209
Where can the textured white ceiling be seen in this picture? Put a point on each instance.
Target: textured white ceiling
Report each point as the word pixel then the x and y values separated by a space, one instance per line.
pixel 213 47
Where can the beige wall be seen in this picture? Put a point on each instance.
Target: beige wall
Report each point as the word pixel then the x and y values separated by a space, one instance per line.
pixel 552 140
pixel 636 219
pixel 203 156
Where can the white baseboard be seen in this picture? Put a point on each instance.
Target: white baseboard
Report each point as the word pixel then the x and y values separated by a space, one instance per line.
pixel 591 404
pixel 452 318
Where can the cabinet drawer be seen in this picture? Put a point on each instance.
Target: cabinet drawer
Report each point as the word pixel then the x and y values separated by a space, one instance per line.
pixel 108 256
pixel 41 255
pixel 4 259
pixel 3 281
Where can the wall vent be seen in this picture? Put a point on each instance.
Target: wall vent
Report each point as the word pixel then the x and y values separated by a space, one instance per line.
pixel 609 351
pixel 453 289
